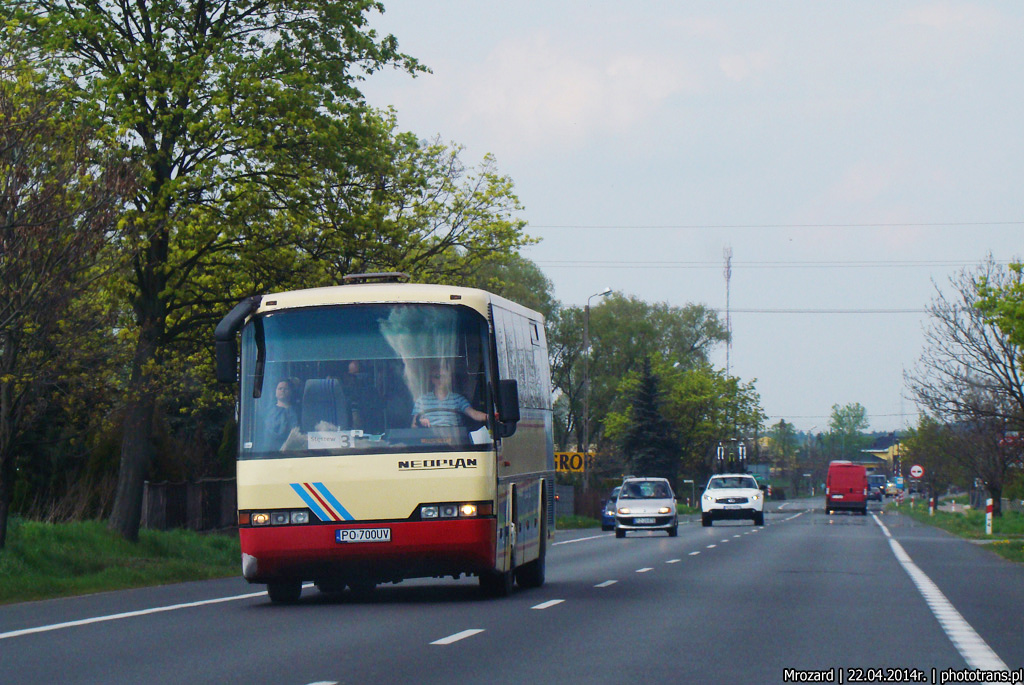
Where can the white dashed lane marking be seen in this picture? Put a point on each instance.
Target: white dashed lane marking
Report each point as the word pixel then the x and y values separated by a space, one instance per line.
pixel 606 583
pixel 548 604
pixel 457 636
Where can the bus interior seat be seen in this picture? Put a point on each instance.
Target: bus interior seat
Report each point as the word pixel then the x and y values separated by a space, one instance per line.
pixel 324 400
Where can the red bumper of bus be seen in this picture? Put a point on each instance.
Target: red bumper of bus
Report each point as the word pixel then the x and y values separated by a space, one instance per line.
pixel 417 549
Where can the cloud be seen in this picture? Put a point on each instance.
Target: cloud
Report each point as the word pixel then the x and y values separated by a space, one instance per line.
pixel 738 67
pixel 949 18
pixel 534 92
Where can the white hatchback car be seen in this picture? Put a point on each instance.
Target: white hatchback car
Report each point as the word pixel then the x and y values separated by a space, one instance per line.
pixel 732 496
pixel 646 504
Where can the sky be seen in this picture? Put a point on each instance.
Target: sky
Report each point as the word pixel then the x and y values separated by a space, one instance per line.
pixel 853 156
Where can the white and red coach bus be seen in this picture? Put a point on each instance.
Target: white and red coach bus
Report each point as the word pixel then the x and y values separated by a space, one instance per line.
pixel 390 430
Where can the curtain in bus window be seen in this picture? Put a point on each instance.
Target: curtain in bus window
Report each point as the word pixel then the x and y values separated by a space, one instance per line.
pixel 426 338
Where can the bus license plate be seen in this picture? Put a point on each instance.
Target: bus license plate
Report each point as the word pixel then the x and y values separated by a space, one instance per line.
pixel 641 521
pixel 363 535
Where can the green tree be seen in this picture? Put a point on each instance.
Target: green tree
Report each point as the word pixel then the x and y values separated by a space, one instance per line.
pixel 623 332
pixel 703 406
pixel 60 193
pixel 846 436
pixel 239 114
pixel 647 439
pixel 969 376
pixel 784 444
pixel 520 280
pixel 934 447
pixel 1001 299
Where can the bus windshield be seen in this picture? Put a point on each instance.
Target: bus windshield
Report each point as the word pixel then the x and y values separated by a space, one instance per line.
pixel 369 377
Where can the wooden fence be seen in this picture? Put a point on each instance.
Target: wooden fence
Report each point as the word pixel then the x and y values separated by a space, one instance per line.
pixel 204 505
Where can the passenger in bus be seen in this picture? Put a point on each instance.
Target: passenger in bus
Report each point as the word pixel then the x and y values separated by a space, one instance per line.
pixel 283 415
pixel 364 400
pixel 442 406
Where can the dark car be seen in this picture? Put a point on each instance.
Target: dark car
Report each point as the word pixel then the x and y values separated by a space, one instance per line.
pixel 608 510
pixel 876 486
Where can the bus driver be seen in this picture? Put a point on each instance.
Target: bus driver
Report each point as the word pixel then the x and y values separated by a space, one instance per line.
pixel 442 406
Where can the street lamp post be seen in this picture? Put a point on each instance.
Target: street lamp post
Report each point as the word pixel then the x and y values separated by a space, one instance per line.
pixel 586 381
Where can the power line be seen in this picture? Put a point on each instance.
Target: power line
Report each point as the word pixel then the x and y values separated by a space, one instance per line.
pixel 936 224
pixel 662 264
pixel 822 311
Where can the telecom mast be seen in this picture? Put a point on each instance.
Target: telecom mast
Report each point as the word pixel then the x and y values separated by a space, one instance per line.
pixel 727 252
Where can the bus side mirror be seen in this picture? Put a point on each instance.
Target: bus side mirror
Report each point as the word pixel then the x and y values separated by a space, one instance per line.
pixel 225 346
pixel 227 360
pixel 508 407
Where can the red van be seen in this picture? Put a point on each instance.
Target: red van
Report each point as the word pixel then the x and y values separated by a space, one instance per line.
pixel 846 487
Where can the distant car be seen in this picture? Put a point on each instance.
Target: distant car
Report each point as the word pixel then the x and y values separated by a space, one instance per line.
pixel 608 511
pixel 732 496
pixel 646 504
pixel 876 486
pixel 891 489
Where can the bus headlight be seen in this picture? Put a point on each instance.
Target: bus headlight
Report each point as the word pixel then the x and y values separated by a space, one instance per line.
pixel 451 510
pixel 300 516
pixel 260 519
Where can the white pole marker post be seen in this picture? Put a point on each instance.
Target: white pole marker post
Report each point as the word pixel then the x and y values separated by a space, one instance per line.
pixel 988 516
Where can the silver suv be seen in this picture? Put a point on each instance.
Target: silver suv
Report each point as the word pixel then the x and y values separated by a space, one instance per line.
pixel 646 504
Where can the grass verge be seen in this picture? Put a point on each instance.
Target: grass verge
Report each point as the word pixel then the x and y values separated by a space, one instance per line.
pixel 575 522
pixel 43 560
pixel 1007 539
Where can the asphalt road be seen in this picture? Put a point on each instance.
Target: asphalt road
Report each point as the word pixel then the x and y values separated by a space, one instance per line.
pixel 840 594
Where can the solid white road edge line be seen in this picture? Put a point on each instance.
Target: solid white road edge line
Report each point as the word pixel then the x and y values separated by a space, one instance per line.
pixel 457 636
pixel 569 542
pixel 971 646
pixel 127 614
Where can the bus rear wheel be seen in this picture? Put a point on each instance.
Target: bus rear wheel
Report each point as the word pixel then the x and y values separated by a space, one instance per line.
pixel 497 583
pixel 284 591
pixel 531 574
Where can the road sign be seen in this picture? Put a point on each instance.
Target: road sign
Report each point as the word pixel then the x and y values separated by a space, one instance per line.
pixel 572 462
pixel 916 471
